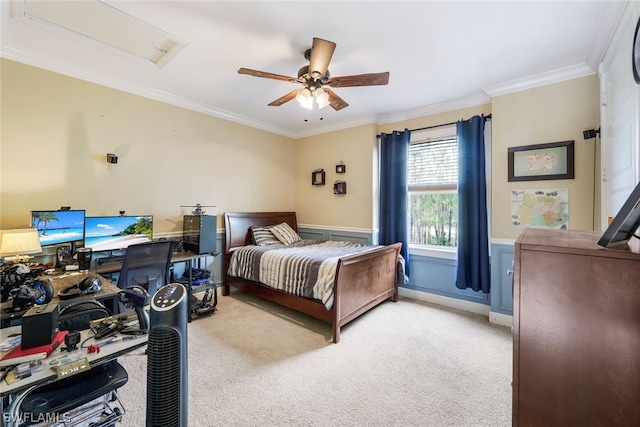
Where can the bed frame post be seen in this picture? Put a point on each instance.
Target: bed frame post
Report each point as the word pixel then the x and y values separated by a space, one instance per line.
pixel 336 313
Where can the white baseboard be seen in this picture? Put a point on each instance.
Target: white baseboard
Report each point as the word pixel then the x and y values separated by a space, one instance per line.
pixel 472 307
pixel 500 319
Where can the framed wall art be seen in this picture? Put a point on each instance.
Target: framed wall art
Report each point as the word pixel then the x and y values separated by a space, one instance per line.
pixel 340 187
pixel 317 177
pixel 539 162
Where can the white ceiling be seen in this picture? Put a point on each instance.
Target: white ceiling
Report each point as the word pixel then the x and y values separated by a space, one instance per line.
pixel 441 54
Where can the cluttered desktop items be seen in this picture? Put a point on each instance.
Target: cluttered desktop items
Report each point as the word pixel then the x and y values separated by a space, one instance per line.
pixel 74 376
pixel 87 285
pixel 23 287
pixel 133 320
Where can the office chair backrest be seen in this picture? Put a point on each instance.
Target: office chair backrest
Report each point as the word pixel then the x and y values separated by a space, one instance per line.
pixel 146 265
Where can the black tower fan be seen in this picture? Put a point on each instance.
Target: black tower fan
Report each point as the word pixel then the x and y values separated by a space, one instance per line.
pixel 167 370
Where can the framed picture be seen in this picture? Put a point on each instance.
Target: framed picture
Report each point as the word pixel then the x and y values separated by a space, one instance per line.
pixel 341 168
pixel 538 162
pixel 317 177
pixel 340 187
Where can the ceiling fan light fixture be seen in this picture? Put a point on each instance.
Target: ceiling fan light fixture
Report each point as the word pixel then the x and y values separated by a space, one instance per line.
pixel 315 75
pixel 322 97
pixel 304 98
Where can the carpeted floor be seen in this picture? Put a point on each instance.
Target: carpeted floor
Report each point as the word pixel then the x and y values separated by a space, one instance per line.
pixel 409 363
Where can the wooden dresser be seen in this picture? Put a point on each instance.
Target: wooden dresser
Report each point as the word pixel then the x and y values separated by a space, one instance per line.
pixel 576 324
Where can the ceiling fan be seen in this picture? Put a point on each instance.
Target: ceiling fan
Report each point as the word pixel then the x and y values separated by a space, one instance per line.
pixel 316 78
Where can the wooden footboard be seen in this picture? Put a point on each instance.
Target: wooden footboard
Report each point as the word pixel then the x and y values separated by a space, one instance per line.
pixel 362 280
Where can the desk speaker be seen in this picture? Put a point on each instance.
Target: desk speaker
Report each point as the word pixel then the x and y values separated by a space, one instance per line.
pixel 199 233
pixel 39 325
pixel 167 369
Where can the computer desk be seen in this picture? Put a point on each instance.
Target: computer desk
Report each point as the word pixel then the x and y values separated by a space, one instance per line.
pixel 61 280
pixel 176 257
pixel 19 389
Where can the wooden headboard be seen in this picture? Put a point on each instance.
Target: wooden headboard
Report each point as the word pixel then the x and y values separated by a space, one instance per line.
pixel 237 225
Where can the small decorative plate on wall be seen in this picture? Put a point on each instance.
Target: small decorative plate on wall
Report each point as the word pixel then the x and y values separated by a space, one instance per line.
pixel 636 53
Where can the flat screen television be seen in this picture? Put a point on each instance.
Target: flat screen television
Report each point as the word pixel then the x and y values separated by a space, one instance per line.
pixel 625 224
pixel 111 233
pixel 59 227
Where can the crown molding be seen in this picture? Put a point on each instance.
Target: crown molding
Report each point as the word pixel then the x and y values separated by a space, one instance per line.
pixel 345 124
pixel 442 107
pixel 556 76
pixel 543 79
pixel 136 89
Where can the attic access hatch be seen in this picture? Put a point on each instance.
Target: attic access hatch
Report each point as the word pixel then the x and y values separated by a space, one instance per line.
pixel 100 22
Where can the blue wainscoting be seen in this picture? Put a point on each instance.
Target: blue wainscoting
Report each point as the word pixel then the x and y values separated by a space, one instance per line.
pixel 430 274
pixel 438 276
pixel 501 280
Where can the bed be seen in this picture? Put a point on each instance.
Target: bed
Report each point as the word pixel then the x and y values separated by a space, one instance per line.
pixel 362 281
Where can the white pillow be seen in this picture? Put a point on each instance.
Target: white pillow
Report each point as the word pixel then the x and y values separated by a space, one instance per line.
pixel 285 234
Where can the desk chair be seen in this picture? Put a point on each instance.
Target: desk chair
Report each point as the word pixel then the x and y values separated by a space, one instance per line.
pixel 147 265
pixel 81 398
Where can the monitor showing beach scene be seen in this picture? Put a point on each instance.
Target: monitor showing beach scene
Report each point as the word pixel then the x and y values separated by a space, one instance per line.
pixel 58 227
pixel 110 233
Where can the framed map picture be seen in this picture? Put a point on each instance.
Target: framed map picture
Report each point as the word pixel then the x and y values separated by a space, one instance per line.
pixel 540 208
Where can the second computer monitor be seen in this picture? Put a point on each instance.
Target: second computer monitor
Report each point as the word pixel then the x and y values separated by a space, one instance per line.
pixel 110 233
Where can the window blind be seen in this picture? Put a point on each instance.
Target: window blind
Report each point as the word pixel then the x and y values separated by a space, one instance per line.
pixel 433 163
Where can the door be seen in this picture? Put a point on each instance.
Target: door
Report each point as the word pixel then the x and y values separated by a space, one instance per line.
pixel 620 108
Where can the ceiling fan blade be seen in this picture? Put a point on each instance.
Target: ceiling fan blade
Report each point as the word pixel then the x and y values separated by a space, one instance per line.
pixel 321 53
pixel 286 98
pixel 266 75
pixel 373 79
pixel 335 101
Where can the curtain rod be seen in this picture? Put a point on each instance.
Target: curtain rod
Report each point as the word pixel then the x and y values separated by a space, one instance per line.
pixel 488 117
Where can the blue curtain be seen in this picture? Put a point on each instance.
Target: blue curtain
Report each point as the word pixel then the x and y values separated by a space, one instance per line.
pixel 394 150
pixel 473 269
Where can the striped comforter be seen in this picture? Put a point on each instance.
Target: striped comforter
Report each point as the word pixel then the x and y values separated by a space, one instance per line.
pixel 306 268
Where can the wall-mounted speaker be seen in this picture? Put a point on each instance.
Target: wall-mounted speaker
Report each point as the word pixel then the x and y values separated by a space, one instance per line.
pixel 167 368
pixel 199 233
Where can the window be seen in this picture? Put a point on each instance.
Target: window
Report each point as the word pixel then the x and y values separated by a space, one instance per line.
pixel 433 198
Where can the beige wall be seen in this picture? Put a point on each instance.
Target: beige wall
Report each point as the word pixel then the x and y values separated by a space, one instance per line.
pixel 57 130
pixel 552 113
pixel 317 205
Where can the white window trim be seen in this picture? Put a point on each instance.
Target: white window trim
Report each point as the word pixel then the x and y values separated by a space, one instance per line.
pixel 443 132
pixel 433 251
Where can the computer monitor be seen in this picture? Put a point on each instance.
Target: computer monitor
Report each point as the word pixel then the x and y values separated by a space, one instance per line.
pixel 111 233
pixel 626 222
pixel 59 227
